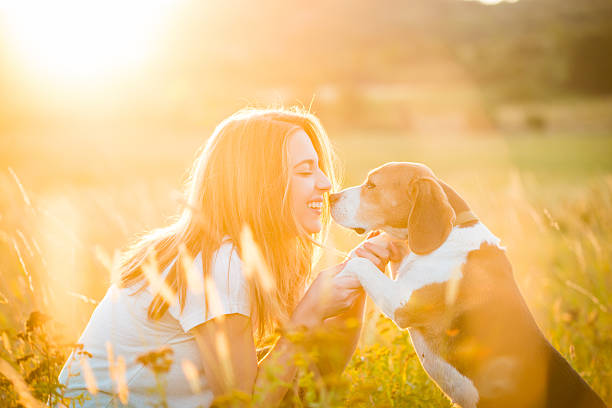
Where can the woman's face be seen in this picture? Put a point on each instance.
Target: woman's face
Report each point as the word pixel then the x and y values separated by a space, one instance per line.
pixel 307 182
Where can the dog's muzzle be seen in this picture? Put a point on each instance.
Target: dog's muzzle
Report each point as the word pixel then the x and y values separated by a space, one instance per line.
pixel 344 206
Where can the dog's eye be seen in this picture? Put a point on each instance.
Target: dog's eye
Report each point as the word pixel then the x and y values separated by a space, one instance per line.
pixel 369 185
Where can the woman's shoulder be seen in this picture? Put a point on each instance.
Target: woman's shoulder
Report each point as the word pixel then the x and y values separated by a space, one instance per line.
pixel 226 293
pixel 224 256
pixel 225 262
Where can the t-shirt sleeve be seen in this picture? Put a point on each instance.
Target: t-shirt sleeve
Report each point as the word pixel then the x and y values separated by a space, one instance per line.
pixel 227 292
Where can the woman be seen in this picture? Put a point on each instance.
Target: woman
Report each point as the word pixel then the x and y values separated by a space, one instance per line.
pixel 268 170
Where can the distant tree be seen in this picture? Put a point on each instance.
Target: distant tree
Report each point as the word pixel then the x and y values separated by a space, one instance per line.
pixel 590 64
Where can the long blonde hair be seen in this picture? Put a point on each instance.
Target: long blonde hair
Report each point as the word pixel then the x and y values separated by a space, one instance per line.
pixel 241 178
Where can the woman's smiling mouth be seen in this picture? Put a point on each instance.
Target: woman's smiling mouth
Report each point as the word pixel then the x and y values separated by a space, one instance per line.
pixel 316 206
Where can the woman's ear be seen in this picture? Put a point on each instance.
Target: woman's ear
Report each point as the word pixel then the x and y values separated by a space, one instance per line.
pixel 431 218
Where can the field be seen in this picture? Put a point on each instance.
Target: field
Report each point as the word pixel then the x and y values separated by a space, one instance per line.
pixel 70 201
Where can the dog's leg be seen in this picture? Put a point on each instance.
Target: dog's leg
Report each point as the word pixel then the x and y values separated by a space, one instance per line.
pixel 385 292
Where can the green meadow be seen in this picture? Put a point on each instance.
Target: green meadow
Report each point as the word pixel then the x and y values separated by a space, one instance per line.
pixel 69 203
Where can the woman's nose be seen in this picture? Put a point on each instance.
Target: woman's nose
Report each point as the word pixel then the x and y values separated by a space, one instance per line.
pixel 323 182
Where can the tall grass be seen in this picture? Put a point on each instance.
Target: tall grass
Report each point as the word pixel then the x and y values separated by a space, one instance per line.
pixel 549 200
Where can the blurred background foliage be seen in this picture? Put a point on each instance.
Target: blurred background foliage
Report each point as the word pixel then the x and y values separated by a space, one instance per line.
pixel 347 58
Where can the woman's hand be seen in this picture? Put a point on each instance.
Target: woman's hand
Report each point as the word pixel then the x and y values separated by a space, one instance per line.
pixel 380 249
pixel 398 251
pixel 327 296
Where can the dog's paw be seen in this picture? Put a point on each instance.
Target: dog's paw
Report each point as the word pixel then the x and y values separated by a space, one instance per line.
pixel 360 265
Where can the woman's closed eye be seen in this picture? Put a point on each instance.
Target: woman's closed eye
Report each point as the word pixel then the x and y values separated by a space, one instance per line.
pixel 304 170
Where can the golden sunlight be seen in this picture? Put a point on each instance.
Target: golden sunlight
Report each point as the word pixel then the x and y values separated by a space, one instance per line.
pixel 493 2
pixel 78 40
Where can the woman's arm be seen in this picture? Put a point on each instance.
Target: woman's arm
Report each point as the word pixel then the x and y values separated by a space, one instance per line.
pixel 341 333
pixel 339 338
pixel 230 361
pixel 228 351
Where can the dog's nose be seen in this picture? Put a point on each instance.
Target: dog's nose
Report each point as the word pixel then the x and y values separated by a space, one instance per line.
pixel 333 198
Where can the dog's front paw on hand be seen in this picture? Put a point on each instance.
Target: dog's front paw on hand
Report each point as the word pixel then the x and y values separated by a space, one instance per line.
pixel 358 264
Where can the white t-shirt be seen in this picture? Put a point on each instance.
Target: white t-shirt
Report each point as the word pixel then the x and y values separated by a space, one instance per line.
pixel 121 319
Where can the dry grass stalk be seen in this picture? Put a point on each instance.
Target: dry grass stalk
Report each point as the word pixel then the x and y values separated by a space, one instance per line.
pixel 159 286
pixel 255 266
pixel 191 374
pixel 90 379
pixel 193 282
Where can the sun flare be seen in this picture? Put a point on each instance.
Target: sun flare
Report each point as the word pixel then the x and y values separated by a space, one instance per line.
pixel 69 40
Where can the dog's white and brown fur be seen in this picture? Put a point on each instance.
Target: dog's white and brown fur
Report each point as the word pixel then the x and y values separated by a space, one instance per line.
pixel 455 292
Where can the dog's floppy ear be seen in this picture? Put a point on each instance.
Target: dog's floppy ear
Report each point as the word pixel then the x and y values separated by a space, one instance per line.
pixel 431 218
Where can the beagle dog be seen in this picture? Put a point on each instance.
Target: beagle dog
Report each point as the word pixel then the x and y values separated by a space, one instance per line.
pixel 456 294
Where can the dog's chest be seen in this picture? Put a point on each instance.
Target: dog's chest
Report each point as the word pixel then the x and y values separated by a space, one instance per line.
pixel 442 265
pixel 417 271
pixel 457 387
